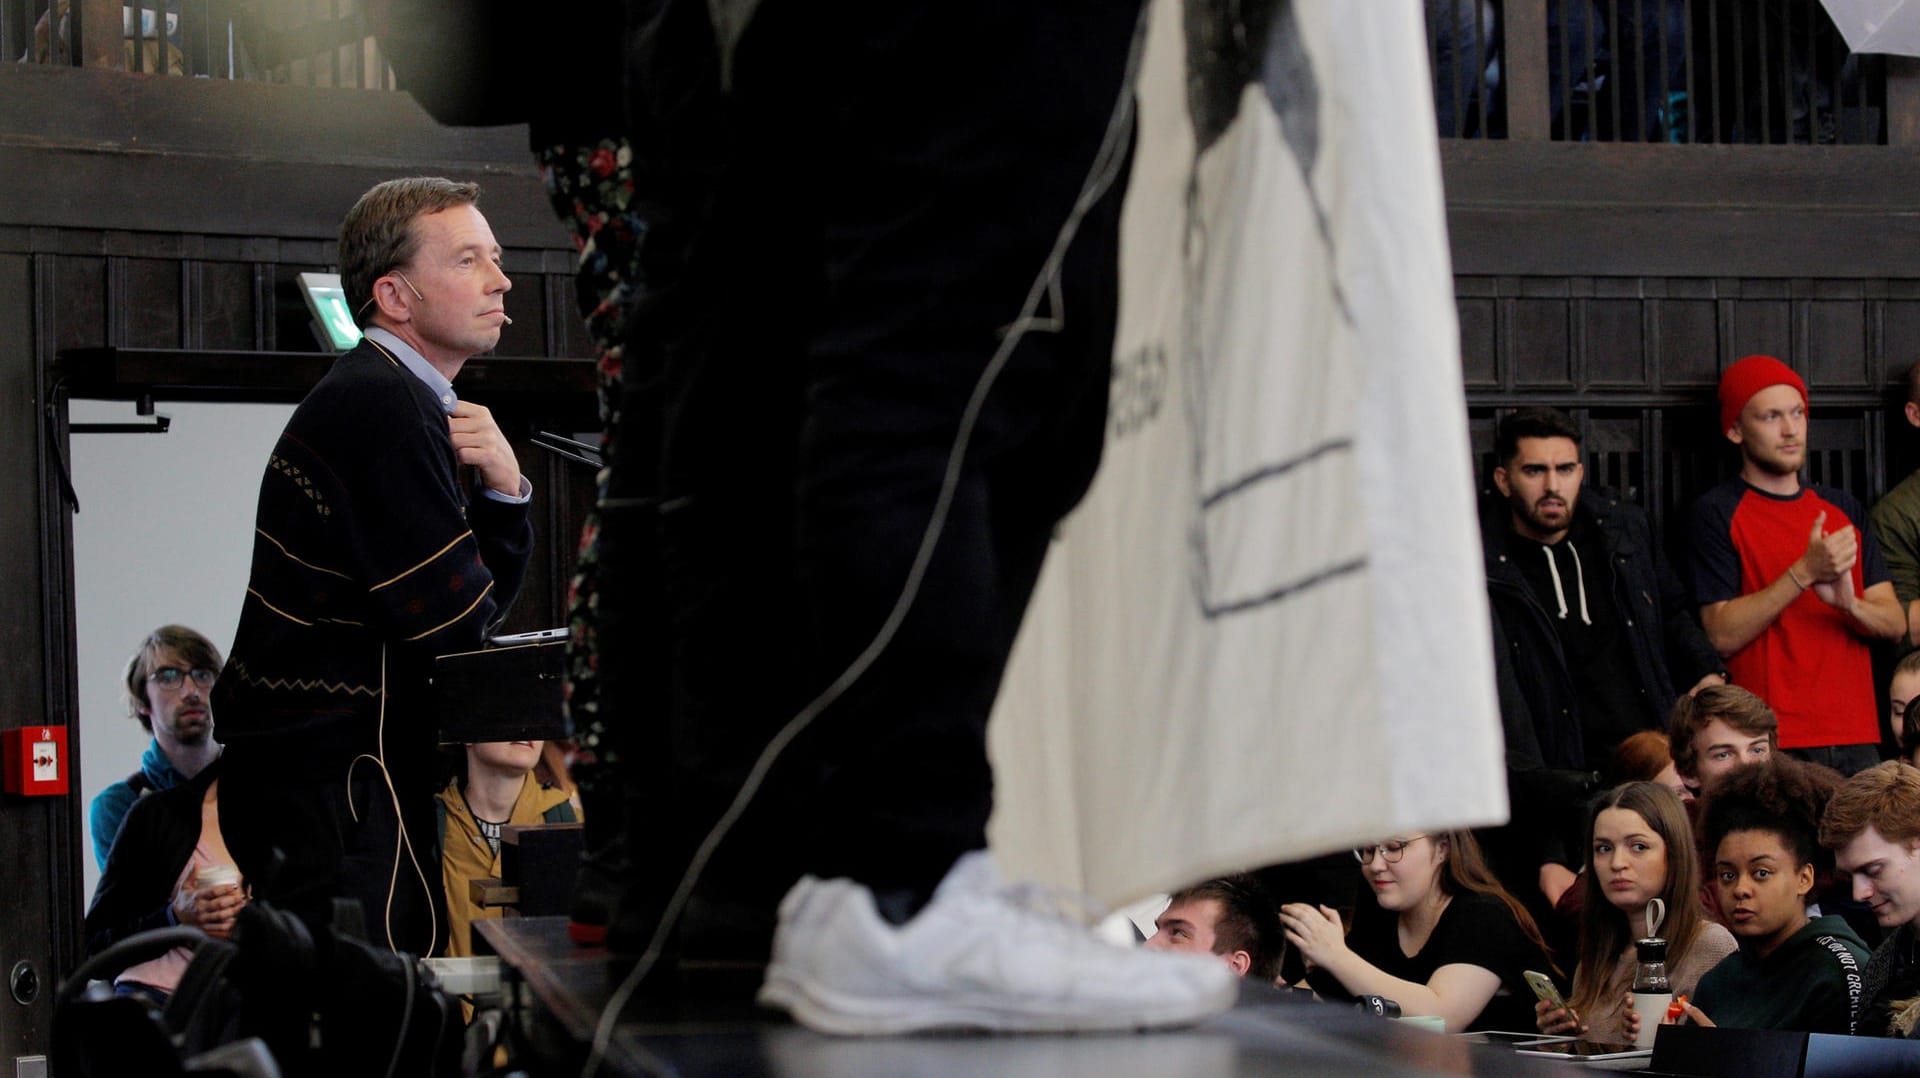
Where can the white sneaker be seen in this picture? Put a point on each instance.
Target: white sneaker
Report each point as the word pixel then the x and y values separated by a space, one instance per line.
pixel 974 958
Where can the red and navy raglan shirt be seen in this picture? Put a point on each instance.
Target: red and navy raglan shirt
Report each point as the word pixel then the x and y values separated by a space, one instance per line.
pixel 1810 665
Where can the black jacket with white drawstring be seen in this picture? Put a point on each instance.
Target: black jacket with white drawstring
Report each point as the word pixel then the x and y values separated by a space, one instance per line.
pixel 1549 774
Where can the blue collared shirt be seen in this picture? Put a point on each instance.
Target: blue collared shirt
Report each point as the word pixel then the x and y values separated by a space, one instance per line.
pixel 442 391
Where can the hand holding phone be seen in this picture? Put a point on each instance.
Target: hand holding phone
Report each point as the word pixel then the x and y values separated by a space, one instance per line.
pixel 1552 1015
pixel 1544 989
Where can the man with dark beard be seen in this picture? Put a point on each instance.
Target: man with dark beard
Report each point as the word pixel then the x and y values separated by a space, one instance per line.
pixel 1593 641
pixel 1789 588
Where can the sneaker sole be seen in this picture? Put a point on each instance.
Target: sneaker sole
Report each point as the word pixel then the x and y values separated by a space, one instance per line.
pixel 826 1011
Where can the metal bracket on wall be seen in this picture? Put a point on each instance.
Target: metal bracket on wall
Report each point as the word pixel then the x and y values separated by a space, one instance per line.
pixel 144 406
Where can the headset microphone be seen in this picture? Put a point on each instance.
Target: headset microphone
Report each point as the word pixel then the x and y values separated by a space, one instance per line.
pixel 504 318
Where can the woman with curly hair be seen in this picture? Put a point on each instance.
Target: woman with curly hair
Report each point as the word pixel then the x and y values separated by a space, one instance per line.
pixel 1791 972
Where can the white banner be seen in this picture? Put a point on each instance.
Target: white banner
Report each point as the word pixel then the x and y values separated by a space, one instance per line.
pixel 1264 634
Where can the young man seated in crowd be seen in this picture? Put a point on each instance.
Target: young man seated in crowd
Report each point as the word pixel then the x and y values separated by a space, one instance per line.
pixel 1717 731
pixel 1872 824
pixel 167 682
pixel 1903 687
pixel 1792 971
pixel 499 789
pixel 1233 917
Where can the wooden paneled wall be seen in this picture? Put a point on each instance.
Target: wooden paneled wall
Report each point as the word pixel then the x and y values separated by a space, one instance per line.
pixel 1637 359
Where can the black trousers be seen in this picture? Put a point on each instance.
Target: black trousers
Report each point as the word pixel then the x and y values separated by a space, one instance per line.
pixel 306 826
pixel 836 246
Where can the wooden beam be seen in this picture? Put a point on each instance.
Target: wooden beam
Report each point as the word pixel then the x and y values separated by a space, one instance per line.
pixel 1903 101
pixel 491 892
pixel 101 150
pixel 102 43
pixel 1523 69
pixel 1634 210
pixel 178 374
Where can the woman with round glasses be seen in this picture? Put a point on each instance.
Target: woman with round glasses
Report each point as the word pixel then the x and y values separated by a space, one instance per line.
pixel 1441 937
pixel 1639 848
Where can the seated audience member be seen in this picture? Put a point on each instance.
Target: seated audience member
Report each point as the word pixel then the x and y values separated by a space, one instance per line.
pixel 499 789
pixel 1639 848
pixel 555 769
pixel 1872 824
pixel 157 875
pixel 1791 972
pixel 1717 731
pixel 166 692
pixel 1232 917
pixel 1441 937
pixel 1647 757
pixel 1910 739
pixel 1903 687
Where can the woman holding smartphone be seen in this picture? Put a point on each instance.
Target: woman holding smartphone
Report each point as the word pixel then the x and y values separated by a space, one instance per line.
pixel 1639 848
pixel 1441 937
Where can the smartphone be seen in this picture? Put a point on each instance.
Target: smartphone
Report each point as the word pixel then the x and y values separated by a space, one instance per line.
pixel 1544 990
pixel 1589 1050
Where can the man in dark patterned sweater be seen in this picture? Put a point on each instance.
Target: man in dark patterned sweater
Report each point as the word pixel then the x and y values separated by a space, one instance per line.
pixel 370 558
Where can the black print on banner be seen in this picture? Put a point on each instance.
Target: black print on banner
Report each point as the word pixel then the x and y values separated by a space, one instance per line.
pixel 1232 44
pixel 1138 389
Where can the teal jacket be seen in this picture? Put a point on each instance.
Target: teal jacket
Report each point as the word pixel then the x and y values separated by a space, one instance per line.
pixel 110 805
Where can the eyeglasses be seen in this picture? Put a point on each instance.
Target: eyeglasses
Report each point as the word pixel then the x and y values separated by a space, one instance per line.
pixel 170 676
pixel 1391 851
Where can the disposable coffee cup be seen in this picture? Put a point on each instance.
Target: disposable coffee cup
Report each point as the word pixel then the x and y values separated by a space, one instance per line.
pixel 1652 1009
pixel 216 876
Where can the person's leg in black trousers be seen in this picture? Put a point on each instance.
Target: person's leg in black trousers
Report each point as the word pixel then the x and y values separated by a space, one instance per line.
pixel 954 141
pixel 868 205
pixel 951 141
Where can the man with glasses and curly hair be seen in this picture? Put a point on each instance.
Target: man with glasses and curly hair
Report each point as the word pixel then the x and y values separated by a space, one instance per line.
pixel 167 683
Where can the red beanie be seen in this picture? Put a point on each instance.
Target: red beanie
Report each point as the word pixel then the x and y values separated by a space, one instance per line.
pixel 1741 381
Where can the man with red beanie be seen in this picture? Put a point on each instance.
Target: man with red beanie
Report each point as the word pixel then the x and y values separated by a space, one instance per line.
pixel 1789 587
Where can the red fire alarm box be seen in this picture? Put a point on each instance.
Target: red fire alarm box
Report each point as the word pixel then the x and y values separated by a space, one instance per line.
pixel 35 760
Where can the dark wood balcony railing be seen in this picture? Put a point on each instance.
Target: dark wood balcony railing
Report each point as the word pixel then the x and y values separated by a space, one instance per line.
pixel 1773 72
pixel 302 42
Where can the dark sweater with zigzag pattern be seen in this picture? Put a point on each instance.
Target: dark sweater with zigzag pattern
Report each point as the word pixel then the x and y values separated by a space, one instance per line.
pixel 366 547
